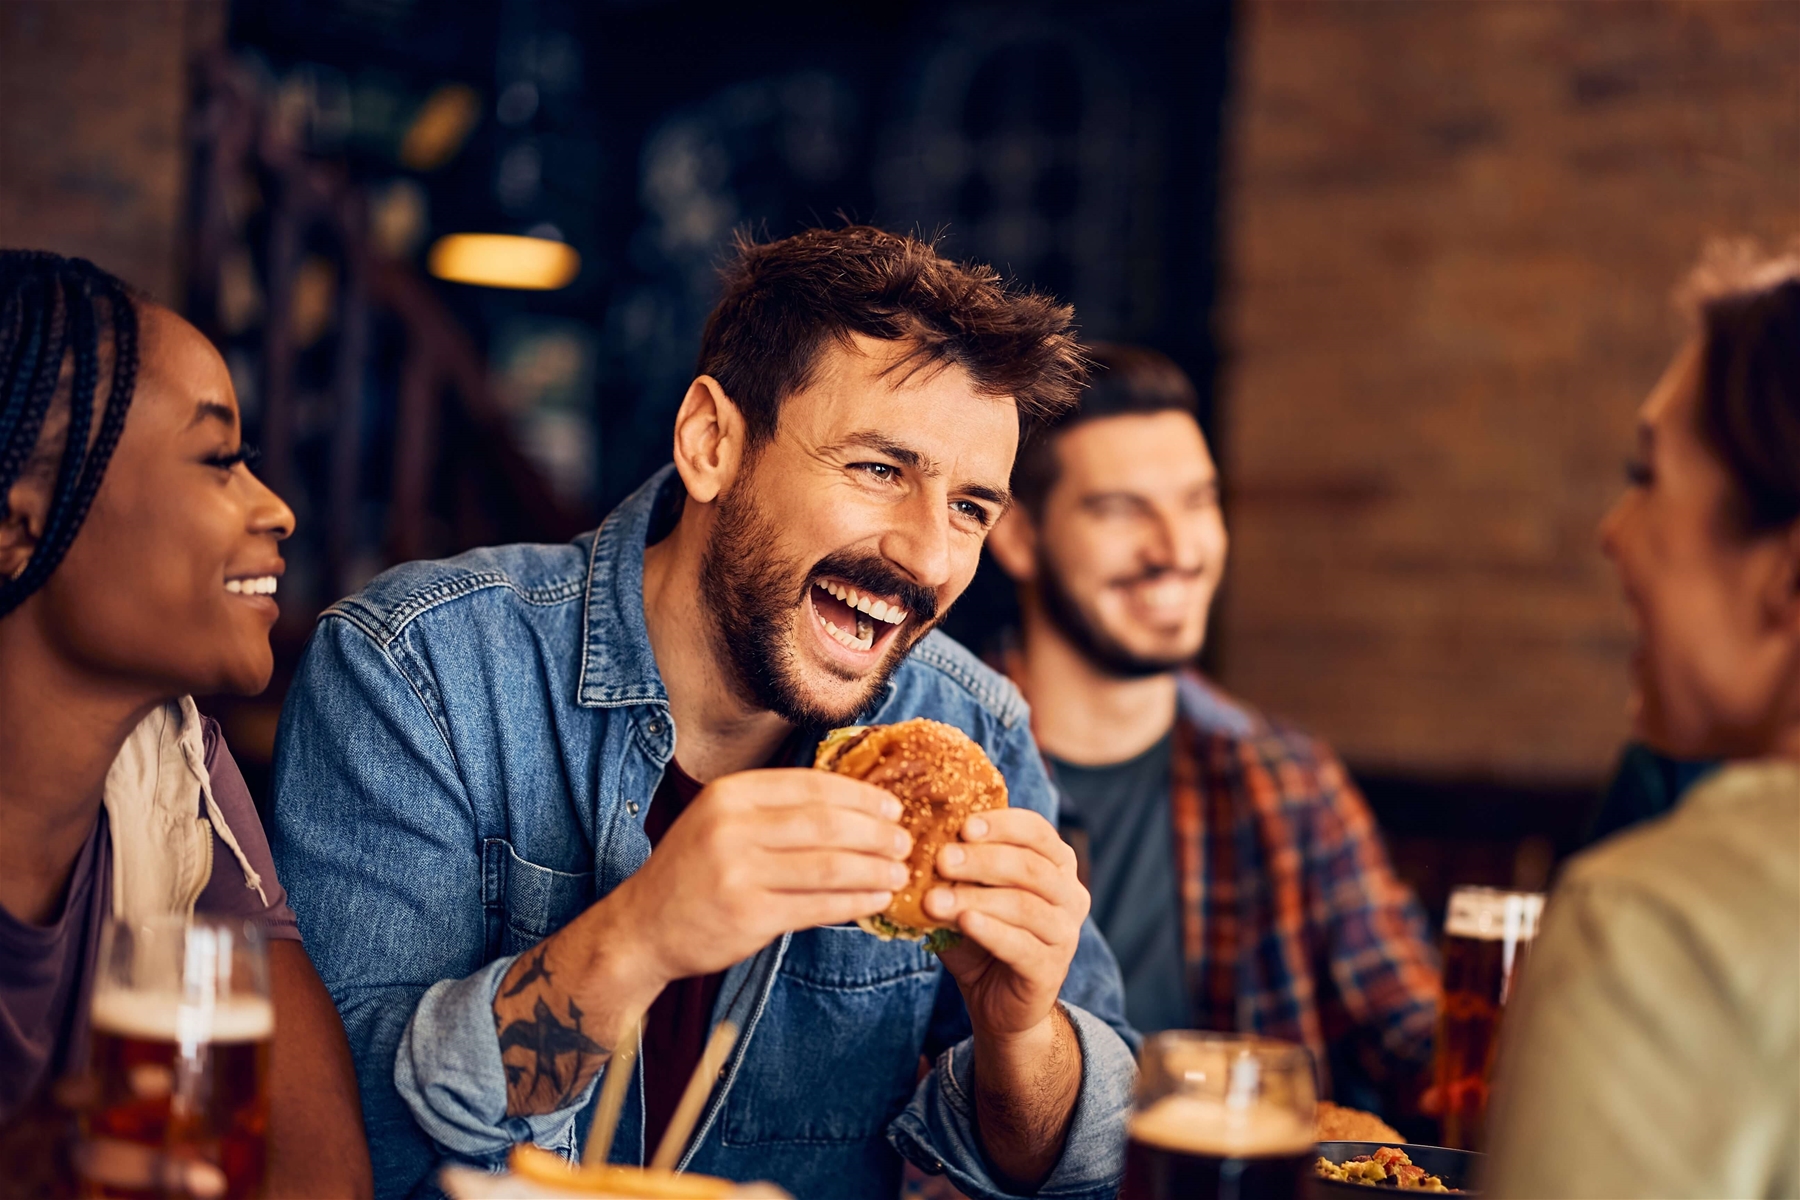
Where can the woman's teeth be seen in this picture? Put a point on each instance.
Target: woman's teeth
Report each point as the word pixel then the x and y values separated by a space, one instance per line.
pixel 881 610
pixel 261 585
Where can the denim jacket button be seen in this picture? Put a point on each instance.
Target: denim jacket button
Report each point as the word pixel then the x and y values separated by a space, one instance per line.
pixel 655 728
pixel 632 808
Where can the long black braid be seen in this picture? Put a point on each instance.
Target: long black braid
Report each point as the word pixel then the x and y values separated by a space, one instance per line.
pixel 50 306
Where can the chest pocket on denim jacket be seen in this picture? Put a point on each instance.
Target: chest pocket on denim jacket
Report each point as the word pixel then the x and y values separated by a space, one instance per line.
pixel 836 1053
pixel 527 903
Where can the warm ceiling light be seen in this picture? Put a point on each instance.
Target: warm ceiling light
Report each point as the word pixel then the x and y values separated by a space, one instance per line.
pixel 503 261
pixel 443 123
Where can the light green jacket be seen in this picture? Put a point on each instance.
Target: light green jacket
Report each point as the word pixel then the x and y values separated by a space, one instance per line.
pixel 1653 1048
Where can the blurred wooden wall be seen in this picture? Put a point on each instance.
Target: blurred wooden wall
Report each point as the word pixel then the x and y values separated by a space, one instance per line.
pixel 93 162
pixel 1452 231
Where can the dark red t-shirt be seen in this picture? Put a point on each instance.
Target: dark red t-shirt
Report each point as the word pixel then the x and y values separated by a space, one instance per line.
pixel 676 1026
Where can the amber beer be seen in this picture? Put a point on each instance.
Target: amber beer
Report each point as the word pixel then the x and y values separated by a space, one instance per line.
pixel 179 1051
pixel 1220 1116
pixel 1487 934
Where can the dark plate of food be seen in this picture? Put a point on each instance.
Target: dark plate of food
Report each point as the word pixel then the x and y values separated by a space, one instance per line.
pixel 1355 1167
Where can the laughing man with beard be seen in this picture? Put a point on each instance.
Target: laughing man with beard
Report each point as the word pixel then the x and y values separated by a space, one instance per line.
pixel 1235 871
pixel 478 757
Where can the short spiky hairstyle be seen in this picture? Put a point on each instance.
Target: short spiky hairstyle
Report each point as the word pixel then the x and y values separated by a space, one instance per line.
pixel 785 300
pixel 1125 381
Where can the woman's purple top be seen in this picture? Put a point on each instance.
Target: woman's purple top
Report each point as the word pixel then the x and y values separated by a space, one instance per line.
pixel 46 970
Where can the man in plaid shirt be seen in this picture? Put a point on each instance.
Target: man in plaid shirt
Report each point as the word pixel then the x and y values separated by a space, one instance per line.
pixel 1235 870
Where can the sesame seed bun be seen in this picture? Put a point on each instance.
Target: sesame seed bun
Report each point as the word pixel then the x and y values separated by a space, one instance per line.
pixel 941 778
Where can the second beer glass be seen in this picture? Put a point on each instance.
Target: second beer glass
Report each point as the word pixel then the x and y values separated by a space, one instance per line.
pixel 1486 936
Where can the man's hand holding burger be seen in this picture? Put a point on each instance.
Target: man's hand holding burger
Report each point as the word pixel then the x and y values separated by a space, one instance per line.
pixel 1004 880
pixel 1014 896
pixel 755 855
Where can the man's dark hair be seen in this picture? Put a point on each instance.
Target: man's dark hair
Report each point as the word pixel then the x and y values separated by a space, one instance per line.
pixel 1747 309
pixel 784 300
pixel 1122 380
pixel 52 308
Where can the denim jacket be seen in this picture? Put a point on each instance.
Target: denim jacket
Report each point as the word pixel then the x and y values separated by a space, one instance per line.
pixel 465 763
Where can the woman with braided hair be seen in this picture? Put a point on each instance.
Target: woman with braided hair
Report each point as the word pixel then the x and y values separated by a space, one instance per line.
pixel 138 562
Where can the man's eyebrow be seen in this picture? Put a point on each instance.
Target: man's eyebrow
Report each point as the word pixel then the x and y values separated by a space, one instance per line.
pixel 999 497
pixel 212 410
pixel 906 456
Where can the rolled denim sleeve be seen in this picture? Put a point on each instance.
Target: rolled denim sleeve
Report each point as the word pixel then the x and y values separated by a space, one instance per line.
pixel 938 1130
pixel 375 836
pixel 449 1072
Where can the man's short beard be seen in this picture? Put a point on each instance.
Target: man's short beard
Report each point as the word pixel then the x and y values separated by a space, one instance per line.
pixel 1100 648
pixel 751 593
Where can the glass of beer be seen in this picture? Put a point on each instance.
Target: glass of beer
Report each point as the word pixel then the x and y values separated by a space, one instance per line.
pixel 1220 1115
pixel 1486 936
pixel 180 1055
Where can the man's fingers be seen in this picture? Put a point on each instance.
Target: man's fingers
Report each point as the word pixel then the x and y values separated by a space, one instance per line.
pixel 786 787
pixel 830 871
pixel 1007 865
pixel 1019 949
pixel 1020 827
pixel 804 911
pixel 1045 922
pixel 816 826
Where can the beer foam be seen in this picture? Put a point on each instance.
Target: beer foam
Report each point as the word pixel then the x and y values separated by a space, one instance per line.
pixel 163 1017
pixel 1203 1125
pixel 1487 915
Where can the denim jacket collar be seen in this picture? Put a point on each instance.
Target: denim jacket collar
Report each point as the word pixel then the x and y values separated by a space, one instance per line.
pixel 618 666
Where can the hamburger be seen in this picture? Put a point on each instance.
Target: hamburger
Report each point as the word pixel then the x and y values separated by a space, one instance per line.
pixel 941 778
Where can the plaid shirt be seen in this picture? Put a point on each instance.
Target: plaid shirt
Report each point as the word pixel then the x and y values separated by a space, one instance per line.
pixel 1293 924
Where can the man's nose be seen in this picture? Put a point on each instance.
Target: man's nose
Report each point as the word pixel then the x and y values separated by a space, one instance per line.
pixel 1169 544
pixel 919 541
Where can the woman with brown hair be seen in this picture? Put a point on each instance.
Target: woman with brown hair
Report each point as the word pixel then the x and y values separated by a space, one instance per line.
pixel 138 562
pixel 1654 1048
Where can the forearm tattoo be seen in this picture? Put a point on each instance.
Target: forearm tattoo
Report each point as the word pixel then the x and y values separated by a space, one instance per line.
pixel 548 1057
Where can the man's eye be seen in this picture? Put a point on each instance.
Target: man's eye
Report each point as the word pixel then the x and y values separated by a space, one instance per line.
pixel 972 510
pixel 885 472
pixel 1637 473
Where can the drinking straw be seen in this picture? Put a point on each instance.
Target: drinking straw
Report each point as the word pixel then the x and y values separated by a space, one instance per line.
pixel 712 1060
pixel 612 1098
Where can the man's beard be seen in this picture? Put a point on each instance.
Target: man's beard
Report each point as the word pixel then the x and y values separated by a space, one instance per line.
pixel 752 593
pixel 1095 644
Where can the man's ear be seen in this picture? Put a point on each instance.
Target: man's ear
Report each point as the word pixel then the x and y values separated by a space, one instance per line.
pixel 1013 543
pixel 22 526
pixel 709 440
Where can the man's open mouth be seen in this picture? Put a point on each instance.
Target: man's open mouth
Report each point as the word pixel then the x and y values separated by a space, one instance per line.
pixel 855 619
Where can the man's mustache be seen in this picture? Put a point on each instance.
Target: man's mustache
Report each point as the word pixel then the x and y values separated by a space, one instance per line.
pixel 871 573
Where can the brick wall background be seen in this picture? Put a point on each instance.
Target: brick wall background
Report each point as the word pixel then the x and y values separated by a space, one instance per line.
pixel 93 94
pixel 1451 233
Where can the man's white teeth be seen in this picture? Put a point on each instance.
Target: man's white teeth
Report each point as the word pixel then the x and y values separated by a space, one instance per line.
pixel 862 639
pixel 881 610
pixel 261 585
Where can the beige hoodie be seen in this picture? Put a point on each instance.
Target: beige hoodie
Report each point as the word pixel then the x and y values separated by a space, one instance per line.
pixel 156 793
